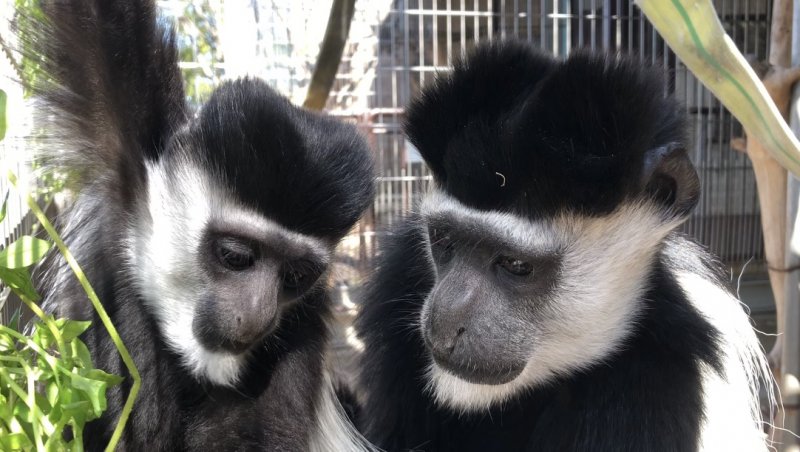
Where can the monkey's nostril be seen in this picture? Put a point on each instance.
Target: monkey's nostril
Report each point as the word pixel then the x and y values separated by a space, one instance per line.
pixel 238 320
pixel 452 345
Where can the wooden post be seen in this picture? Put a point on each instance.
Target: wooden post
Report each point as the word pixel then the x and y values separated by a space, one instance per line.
pixel 790 356
pixel 771 180
pixel 330 53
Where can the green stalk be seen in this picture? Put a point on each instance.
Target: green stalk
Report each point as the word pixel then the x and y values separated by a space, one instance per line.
pixel 51 324
pixel 101 312
pixel 23 338
pixel 48 426
pixel 37 432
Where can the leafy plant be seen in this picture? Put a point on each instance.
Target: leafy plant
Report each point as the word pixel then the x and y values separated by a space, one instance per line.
pixel 49 388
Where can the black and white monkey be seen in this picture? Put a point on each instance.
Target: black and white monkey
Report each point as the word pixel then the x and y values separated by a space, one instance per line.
pixel 539 298
pixel 207 237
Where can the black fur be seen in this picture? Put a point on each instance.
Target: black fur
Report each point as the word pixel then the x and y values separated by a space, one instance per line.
pixel 566 136
pixel 571 134
pixel 114 89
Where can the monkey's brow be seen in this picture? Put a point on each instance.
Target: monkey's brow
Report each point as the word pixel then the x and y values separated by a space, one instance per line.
pixel 275 237
pixel 476 232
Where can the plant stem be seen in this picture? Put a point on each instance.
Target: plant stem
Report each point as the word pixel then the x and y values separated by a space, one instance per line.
pixel 37 432
pixel 101 312
pixel 23 338
pixel 48 427
pixel 47 320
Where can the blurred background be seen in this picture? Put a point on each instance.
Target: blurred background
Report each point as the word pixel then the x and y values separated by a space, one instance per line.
pixel 395 47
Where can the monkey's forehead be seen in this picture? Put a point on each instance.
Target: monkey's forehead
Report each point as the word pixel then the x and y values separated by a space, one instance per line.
pixel 305 171
pixel 545 135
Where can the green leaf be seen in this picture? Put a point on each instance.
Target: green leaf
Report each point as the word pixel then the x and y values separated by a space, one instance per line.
pixel 15 441
pixel 46 365
pixel 5 409
pixel 42 336
pixel 79 411
pixel 80 353
pixel 94 390
pixel 19 280
pixel 6 343
pixel 24 252
pixel 14 322
pixel 97 374
pixel 3 209
pixel 52 392
pixel 71 329
pixel 3 102
pixel 21 410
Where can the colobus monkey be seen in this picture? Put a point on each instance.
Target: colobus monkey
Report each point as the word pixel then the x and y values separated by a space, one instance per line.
pixel 207 237
pixel 540 299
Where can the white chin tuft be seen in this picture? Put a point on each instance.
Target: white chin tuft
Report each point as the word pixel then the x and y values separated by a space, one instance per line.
pixel 451 391
pixel 220 368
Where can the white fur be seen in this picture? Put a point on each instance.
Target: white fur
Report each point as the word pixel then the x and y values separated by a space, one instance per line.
pixel 163 254
pixel 591 312
pixel 334 431
pixel 733 418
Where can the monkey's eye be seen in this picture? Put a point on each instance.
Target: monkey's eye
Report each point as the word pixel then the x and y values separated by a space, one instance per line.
pixel 299 275
pixel 293 279
pixel 441 244
pixel 233 254
pixel 515 266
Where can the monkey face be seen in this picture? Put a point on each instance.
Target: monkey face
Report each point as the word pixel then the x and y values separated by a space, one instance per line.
pixel 218 276
pixel 518 302
pixel 254 275
pixel 480 318
pixel 243 210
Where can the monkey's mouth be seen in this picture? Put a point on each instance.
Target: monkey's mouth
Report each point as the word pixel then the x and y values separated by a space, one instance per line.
pixel 233 346
pixel 216 341
pixel 484 374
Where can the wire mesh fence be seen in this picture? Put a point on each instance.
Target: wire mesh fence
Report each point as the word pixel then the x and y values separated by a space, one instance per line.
pixel 416 39
pixel 398 46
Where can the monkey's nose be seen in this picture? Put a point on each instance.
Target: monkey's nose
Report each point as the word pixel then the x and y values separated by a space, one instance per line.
pixel 442 345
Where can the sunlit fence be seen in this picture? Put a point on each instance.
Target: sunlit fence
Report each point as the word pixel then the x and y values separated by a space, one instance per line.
pixel 397 46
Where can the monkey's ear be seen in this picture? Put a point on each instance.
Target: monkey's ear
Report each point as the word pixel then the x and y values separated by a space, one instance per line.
pixel 670 180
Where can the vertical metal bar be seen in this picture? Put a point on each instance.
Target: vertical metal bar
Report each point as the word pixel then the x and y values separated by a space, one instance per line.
pixel 490 20
pixel 449 32
pixel 581 18
pixel 642 30
pixel 476 22
pixel 529 20
pixel 746 24
pixel 503 24
pixel 555 47
pixel 653 43
pixel 618 26
pixel 606 24
pixel 567 33
pixel 406 99
pixel 421 43
pixel 516 18
pixel 542 18
pixel 593 25
pixel 435 16
pixel 629 19
pixel 463 26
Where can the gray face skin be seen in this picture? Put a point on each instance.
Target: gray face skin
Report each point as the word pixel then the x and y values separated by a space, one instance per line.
pixel 481 315
pixel 253 276
pixel 216 275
